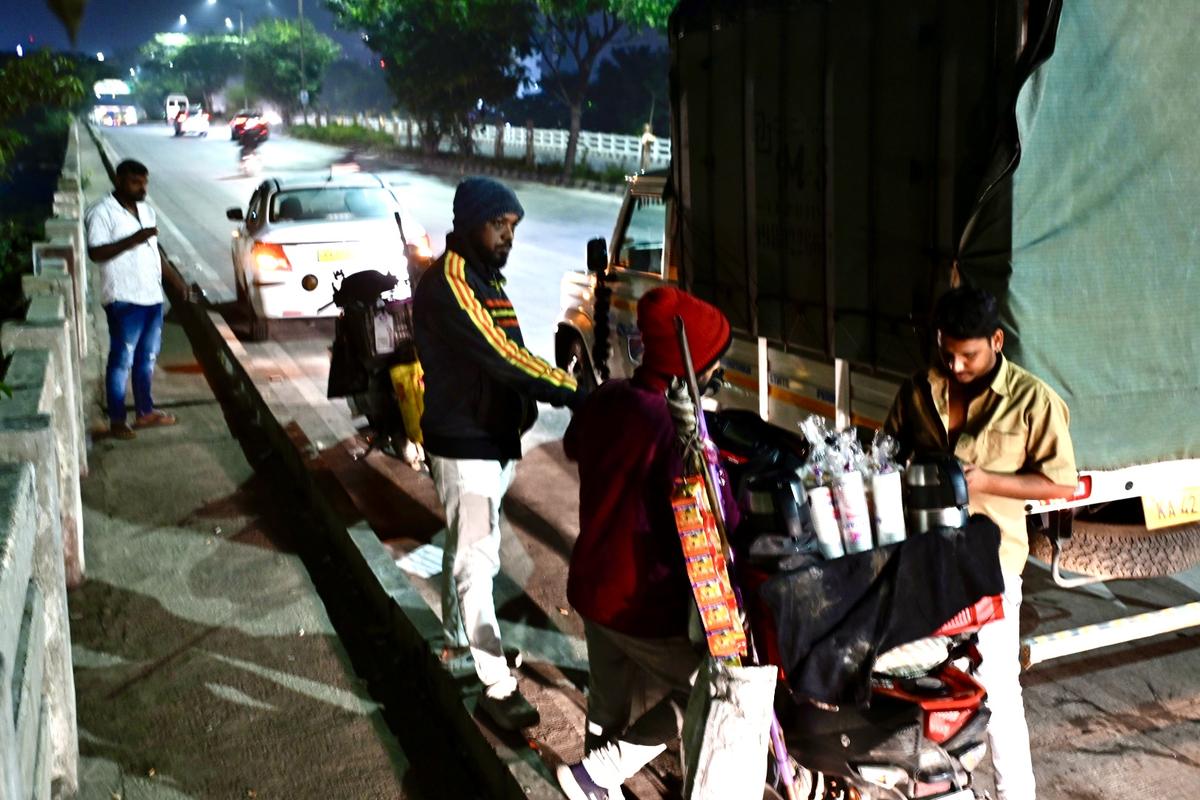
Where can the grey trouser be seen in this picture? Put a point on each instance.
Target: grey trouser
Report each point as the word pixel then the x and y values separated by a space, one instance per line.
pixel 637 688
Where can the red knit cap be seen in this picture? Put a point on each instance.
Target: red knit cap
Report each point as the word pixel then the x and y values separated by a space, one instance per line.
pixel 707 331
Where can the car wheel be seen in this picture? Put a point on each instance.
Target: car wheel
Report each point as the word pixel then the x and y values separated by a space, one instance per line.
pixel 203 134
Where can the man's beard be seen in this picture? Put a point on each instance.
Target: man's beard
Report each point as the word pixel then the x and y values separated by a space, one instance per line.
pixel 498 260
pixel 490 258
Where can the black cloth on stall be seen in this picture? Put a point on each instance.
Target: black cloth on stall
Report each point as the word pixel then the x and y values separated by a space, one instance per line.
pixel 833 618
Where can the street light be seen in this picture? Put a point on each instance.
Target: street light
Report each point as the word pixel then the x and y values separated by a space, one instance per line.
pixel 228 24
pixel 183 19
pixel 99 56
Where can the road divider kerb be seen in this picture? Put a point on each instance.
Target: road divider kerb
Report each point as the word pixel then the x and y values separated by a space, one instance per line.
pixel 507 768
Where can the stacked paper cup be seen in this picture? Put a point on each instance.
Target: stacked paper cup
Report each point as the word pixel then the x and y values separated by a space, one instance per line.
pixel 887 501
pixel 825 521
pixel 854 517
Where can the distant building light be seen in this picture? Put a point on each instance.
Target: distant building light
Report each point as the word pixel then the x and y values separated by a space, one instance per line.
pixel 99 56
pixel 20 51
pixel 132 73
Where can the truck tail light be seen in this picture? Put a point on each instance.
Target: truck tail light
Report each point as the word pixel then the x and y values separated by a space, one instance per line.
pixel 1083 489
pixel 269 257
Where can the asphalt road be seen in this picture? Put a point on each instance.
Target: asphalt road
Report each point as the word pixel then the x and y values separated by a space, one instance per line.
pixel 1113 724
pixel 194 180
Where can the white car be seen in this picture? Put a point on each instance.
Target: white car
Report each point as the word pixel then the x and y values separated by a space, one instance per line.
pixel 193 120
pixel 297 232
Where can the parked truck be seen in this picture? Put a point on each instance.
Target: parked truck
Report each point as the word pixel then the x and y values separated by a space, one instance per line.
pixel 837 165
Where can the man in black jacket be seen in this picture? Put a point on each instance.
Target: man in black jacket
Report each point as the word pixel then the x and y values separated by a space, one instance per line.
pixel 481 390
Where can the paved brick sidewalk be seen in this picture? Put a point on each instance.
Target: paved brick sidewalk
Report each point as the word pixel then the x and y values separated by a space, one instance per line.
pixel 206 665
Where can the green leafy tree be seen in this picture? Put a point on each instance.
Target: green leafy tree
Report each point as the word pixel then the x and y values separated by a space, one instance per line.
pixel 273 61
pixel 351 87
pixel 572 36
pixel 445 60
pixel 207 64
pixel 41 80
pixel 630 89
pixel 157 76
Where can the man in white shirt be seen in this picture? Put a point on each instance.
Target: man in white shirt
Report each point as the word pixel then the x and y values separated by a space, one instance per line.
pixel 123 238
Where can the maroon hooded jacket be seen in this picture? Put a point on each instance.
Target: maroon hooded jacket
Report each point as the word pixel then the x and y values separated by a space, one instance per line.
pixel 627 570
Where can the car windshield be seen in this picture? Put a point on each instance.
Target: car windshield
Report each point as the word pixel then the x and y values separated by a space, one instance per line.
pixel 332 203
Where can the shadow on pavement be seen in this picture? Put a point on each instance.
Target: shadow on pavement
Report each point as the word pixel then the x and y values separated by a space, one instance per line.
pixel 214 711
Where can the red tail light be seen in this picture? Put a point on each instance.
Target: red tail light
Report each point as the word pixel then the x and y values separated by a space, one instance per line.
pixel 1083 489
pixel 269 257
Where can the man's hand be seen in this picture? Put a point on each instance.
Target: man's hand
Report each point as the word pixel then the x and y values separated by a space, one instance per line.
pixel 977 479
pixel 1021 486
pixel 107 252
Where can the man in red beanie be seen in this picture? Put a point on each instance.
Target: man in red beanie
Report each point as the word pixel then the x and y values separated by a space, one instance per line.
pixel 627 578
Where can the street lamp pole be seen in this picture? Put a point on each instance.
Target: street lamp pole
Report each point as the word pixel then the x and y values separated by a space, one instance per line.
pixel 303 79
pixel 242 57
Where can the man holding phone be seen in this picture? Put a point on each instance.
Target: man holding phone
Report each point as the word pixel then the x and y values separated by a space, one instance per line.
pixel 123 238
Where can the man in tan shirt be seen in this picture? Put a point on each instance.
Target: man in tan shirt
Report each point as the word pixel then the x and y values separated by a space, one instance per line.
pixel 1009 430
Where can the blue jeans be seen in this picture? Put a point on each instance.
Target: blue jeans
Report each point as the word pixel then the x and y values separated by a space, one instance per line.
pixel 134 339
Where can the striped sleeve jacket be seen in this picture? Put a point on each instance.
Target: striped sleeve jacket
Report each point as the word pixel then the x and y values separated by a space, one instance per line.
pixel 481 383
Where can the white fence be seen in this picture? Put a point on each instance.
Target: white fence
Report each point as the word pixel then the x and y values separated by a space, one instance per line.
pixel 42 455
pixel 549 145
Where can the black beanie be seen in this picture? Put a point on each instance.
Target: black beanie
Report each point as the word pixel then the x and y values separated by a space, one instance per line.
pixel 480 200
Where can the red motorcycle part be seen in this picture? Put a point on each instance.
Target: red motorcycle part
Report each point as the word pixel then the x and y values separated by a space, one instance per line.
pixel 946 708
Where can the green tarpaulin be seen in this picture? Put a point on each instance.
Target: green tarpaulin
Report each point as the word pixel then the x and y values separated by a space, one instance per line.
pixel 1106 229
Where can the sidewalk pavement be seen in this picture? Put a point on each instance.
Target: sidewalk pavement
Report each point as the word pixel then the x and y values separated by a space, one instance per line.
pixel 383 519
pixel 205 662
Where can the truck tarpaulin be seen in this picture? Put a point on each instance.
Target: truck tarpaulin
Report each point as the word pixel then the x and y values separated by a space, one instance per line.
pixel 829 156
pixel 840 162
pixel 1100 291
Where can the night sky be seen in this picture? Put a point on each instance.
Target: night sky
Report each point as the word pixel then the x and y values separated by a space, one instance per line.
pixel 112 25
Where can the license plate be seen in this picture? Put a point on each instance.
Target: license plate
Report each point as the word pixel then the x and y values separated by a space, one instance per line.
pixel 1171 507
pixel 334 255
